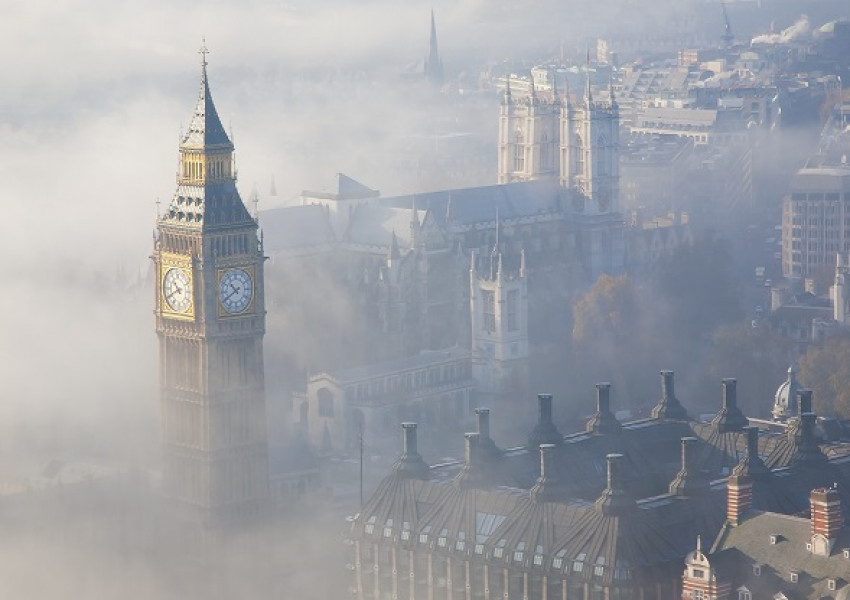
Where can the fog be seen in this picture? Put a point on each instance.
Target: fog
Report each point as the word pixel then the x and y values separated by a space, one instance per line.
pixel 93 100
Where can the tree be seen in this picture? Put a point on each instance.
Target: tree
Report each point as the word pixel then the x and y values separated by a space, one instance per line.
pixel 826 370
pixel 698 289
pixel 610 342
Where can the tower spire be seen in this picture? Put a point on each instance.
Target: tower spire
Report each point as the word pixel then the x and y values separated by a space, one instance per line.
pixel 203 51
pixel 434 67
pixel 588 97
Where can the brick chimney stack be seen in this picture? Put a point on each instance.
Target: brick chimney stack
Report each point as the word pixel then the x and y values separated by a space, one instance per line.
pixel 827 519
pixel 739 498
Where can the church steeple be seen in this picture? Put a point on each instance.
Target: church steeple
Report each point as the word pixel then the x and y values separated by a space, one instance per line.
pixel 434 66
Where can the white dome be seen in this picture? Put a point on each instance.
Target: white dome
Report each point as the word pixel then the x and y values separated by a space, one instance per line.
pixel 784 401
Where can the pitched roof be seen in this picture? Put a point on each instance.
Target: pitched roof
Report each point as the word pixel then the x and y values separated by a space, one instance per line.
pixel 205 129
pixel 751 539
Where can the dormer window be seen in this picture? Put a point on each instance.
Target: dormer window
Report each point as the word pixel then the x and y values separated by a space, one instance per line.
pixel 774 538
pixel 846 553
pixel 756 570
pixel 831 584
pixel 793 577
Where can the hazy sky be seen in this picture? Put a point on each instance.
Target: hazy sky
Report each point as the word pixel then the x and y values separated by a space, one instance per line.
pixel 93 97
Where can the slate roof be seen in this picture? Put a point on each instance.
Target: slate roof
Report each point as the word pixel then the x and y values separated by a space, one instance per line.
pixel 207 207
pixel 210 205
pixel 581 524
pixel 751 542
pixel 205 129
pixel 468 206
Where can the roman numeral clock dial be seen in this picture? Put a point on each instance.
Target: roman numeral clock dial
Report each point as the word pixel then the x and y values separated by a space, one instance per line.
pixel 177 290
pixel 235 291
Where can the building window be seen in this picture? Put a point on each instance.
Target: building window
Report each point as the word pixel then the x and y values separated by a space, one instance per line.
pixel 519 152
pixel 545 154
pixel 697 595
pixel 326 403
pixel 513 301
pixel 489 311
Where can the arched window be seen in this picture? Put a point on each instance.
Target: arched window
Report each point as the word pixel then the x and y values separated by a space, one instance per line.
pixel 545 153
pixel 519 151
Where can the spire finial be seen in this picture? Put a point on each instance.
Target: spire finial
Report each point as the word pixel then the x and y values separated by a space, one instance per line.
pixel 203 51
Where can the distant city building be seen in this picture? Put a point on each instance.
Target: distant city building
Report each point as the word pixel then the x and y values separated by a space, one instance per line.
pixel 816 221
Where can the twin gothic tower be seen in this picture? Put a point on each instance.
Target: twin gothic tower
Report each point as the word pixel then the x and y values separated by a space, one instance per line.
pixel 210 320
pixel 575 144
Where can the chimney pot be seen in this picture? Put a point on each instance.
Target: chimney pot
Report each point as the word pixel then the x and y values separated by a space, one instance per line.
pixel 667 391
pixel 471 447
pixel 804 397
pixel 614 474
pixel 730 395
pixel 483 422
pixel 409 439
pixel 603 397
pixel 752 441
pixel 545 457
pixel 688 447
pixel 544 404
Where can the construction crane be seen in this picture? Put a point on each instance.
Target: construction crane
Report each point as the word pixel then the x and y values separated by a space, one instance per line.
pixel 728 37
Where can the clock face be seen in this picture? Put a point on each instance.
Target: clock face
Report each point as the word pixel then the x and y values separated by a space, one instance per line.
pixel 235 290
pixel 177 290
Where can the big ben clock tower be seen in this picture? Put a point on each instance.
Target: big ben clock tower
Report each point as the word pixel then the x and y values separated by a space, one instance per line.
pixel 210 320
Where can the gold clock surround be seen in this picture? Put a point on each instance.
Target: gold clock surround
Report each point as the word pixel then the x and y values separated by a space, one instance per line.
pixel 168 262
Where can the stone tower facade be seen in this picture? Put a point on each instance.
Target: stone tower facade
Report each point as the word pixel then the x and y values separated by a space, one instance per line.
pixel 577 145
pixel 590 153
pixel 528 137
pixel 210 320
pixel 499 319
